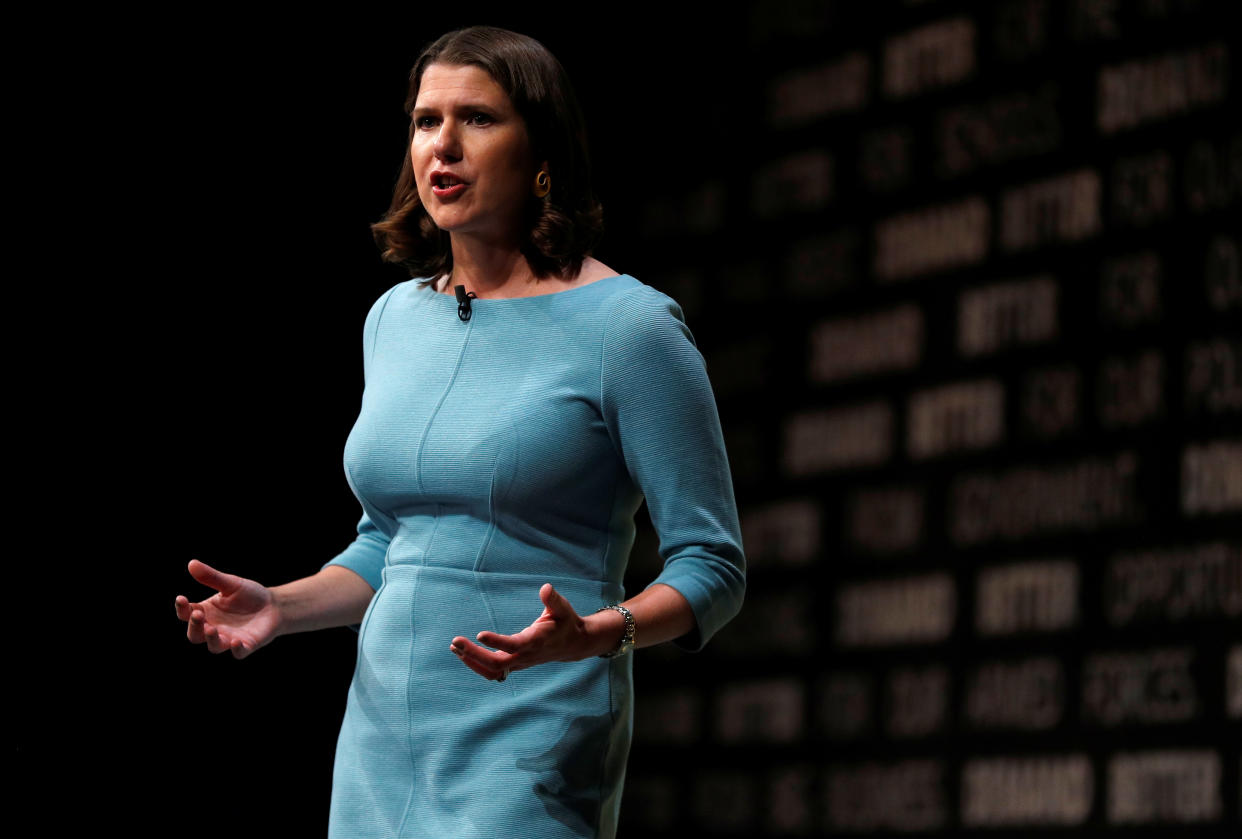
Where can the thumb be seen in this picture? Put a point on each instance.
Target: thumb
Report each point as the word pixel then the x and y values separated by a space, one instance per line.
pixel 554 601
pixel 208 576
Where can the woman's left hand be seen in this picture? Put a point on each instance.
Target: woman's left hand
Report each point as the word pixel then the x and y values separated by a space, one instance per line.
pixel 559 634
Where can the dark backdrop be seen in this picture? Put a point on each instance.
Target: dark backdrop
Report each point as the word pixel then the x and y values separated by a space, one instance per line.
pixel 966 279
pixel 206 198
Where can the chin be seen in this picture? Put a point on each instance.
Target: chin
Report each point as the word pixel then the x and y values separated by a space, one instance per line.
pixel 447 223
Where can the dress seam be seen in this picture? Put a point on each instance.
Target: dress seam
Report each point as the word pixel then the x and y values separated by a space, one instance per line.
pixel 603 764
pixel 379 316
pixel 491 618
pixel 610 535
pixel 409 716
pixel 603 343
pixel 623 470
pixel 435 412
pixel 487 541
pixel 491 502
pixel 361 496
pixel 431 537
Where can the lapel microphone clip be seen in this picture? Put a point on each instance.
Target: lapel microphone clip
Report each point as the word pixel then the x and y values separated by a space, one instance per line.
pixel 463 302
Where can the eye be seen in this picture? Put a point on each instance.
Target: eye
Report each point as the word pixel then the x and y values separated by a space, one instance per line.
pixel 424 122
pixel 480 118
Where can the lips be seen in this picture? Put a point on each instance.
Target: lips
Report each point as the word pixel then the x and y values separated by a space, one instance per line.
pixel 446 185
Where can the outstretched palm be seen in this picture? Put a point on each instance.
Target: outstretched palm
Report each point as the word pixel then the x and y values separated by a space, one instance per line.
pixel 556 635
pixel 241 617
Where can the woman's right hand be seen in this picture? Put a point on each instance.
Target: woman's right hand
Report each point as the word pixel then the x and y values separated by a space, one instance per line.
pixel 240 618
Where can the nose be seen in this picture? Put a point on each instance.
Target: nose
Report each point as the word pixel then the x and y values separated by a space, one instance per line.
pixel 448 142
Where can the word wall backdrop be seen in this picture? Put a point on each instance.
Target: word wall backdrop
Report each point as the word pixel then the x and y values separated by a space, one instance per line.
pixel 968 283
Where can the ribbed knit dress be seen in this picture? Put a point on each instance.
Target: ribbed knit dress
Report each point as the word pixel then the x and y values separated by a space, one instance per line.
pixel 491 456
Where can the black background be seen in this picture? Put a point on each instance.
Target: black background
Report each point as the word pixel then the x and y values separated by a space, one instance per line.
pixel 191 269
pixel 200 186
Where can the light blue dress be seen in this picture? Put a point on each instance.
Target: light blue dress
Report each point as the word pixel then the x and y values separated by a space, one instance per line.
pixel 491 456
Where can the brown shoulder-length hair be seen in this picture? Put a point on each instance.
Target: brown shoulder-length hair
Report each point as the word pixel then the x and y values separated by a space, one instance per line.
pixel 563 227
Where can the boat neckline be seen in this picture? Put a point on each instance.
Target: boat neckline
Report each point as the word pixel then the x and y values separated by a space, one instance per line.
pixel 474 301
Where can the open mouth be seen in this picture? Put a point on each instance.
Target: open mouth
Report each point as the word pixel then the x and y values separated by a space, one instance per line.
pixel 446 186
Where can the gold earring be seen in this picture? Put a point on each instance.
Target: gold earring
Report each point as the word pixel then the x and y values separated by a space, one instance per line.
pixel 543 183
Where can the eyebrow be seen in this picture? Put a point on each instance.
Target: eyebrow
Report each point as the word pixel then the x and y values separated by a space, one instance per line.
pixel 465 106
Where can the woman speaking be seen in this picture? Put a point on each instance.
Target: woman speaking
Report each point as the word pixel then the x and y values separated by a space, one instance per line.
pixel 521 400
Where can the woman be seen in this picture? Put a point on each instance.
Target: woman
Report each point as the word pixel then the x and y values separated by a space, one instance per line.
pixel 519 404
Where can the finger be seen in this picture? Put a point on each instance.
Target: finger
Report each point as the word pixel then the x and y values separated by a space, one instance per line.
pixel 213 639
pixel 238 648
pixel 482 671
pixel 195 627
pixel 492 663
pixel 183 607
pixel 224 583
pixel 481 655
pixel 508 643
pixel 459 651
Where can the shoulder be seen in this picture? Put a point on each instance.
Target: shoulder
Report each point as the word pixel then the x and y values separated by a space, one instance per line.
pixel 371 325
pixel 641 310
pixel 649 354
pixel 645 330
pixel 400 291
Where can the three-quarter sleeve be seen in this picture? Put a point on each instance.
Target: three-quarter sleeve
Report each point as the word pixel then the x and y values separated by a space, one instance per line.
pixel 366 554
pixel 660 411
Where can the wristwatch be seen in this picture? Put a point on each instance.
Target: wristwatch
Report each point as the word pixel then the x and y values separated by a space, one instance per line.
pixel 627 640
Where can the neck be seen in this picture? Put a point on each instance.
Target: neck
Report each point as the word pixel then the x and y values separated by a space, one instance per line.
pixel 490 269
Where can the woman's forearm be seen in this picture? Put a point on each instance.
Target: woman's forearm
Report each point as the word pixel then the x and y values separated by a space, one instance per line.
pixel 660 613
pixel 335 596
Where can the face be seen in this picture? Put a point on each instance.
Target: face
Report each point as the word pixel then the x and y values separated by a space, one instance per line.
pixel 471 154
